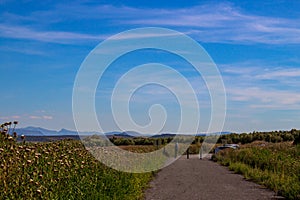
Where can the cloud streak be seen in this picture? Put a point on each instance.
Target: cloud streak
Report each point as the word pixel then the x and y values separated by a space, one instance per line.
pixel 283 99
pixel 44 117
pixel 261 86
pixel 280 74
pixel 22 32
pixel 10 117
pixel 222 22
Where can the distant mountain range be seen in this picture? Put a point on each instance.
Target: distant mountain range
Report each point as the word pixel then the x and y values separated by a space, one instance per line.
pixel 38 131
pixel 125 134
pixel 217 133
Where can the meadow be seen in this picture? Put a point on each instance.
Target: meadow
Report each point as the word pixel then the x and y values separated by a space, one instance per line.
pixel 65 169
pixel 62 170
pixel 274 165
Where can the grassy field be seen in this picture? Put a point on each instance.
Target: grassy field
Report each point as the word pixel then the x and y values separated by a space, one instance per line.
pixel 66 170
pixel 275 165
pixel 62 170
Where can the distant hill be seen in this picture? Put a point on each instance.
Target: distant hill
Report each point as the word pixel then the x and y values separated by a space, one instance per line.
pixel 125 134
pixel 134 134
pixel 67 132
pixel 38 131
pixel 37 138
pixel 217 133
pixel 164 135
pixel 108 134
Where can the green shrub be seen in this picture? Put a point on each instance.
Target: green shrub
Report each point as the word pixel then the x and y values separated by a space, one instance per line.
pixel 277 166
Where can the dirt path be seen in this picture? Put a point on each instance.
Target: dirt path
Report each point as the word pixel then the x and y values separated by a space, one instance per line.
pixel 192 179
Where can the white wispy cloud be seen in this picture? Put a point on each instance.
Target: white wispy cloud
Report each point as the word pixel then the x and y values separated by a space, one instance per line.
pixel 221 22
pixel 10 117
pixel 28 50
pixel 34 117
pixel 45 117
pixel 269 96
pixel 217 23
pixel 280 74
pixel 260 70
pixel 260 85
pixel 23 32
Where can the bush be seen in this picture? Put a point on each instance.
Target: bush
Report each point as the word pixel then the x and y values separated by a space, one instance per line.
pixel 296 139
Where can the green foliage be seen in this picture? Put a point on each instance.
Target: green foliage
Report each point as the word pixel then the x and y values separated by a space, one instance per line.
pixel 119 141
pixel 277 166
pixel 273 136
pixel 62 170
pixel 297 139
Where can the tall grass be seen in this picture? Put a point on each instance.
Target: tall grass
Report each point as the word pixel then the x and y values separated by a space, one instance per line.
pixel 62 170
pixel 277 166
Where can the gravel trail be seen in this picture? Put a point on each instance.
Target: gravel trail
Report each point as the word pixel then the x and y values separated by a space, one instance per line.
pixel 192 179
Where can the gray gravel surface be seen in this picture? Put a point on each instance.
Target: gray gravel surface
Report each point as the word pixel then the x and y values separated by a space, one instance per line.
pixel 203 179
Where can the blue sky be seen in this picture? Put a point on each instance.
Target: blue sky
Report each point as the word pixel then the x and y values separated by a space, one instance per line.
pixel 255 45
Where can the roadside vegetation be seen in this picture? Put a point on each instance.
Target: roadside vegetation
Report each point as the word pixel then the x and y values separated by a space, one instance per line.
pixel 61 170
pixel 274 165
pixel 268 158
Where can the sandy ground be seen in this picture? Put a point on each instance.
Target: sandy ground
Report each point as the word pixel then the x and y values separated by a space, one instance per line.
pixel 193 178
